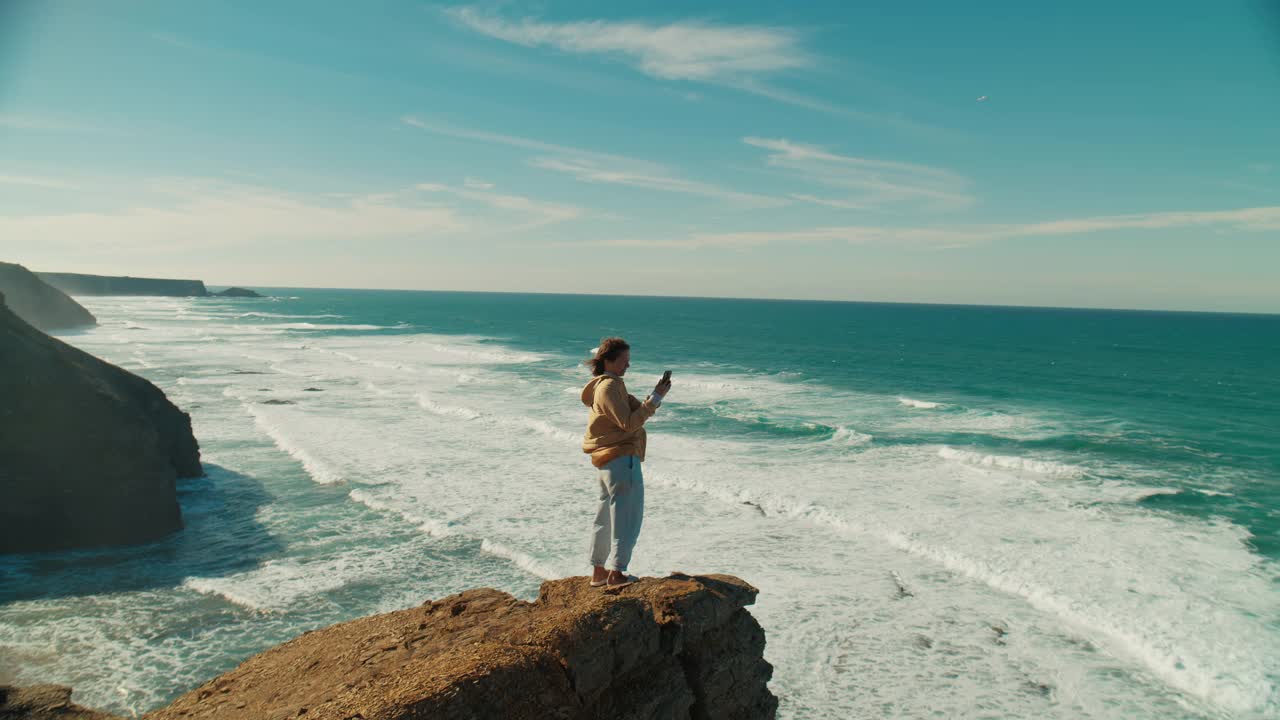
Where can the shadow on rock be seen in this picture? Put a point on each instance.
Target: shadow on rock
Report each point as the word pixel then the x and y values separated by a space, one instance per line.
pixel 222 536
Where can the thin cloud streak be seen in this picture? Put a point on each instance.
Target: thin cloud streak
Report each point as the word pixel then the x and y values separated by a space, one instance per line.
pixel 543 213
pixel 874 182
pixel 687 50
pixel 589 166
pixel 732 56
pixel 591 173
pixel 195 213
pixel 1255 219
pixel 510 140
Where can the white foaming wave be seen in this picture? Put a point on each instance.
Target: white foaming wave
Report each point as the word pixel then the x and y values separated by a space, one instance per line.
pixel 542 427
pixel 921 404
pixel 287 316
pixel 276 367
pixel 1157 654
pixel 487 355
pixel 1144 493
pixel 1161 658
pixel 277 584
pixel 1008 462
pixel 449 410
pixel 732 385
pixel 438 529
pixel 848 436
pixel 434 528
pixel 318 471
pixel 335 326
pixel 200 381
pixel 518 422
pixel 545 428
pixel 519 559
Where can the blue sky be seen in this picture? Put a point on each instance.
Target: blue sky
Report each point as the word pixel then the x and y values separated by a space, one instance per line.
pixel 1079 154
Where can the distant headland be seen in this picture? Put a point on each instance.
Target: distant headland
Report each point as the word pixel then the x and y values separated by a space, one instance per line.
pixel 79 284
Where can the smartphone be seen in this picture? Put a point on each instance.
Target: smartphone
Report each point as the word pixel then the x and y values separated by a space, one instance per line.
pixel 666 376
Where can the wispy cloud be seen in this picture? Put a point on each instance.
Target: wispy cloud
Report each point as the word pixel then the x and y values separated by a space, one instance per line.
pixel 590 166
pixel 871 183
pixel 190 213
pixel 1256 219
pixel 746 58
pixel 530 213
pixel 491 138
pixel 686 50
pixel 590 172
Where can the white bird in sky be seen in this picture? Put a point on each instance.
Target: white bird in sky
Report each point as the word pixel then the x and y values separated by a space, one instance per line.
pixel 982 99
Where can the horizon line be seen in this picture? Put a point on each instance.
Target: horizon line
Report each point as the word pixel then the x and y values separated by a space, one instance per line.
pixel 1262 313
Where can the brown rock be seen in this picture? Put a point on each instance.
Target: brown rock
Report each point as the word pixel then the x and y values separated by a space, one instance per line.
pixel 44 702
pixel 676 647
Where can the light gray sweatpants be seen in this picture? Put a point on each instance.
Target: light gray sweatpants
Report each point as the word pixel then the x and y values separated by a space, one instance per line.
pixel 620 513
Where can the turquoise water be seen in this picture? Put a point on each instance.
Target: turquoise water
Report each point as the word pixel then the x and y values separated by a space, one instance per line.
pixel 966 511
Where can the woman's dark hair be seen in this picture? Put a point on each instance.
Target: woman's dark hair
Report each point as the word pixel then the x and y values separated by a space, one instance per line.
pixel 610 348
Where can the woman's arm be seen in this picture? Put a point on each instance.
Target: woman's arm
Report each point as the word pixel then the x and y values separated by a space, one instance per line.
pixel 618 406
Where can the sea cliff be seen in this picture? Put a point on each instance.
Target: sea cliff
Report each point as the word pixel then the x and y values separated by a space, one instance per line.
pixel 89 452
pixel 39 303
pixel 77 284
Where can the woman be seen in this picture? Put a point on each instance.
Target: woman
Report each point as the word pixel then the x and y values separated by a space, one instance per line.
pixel 615 440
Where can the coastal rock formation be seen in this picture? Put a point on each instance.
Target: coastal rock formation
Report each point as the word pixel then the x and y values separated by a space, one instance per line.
pixel 39 303
pixel 77 284
pixel 89 452
pixel 238 292
pixel 675 647
pixel 44 702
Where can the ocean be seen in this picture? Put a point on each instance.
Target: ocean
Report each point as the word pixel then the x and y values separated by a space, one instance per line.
pixel 949 511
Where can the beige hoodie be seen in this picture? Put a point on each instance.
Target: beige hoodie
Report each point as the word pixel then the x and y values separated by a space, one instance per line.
pixel 615 427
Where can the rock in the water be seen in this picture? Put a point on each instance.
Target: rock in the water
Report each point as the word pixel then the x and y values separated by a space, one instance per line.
pixel 677 647
pixel 39 303
pixel 78 284
pixel 238 292
pixel 88 452
pixel 44 702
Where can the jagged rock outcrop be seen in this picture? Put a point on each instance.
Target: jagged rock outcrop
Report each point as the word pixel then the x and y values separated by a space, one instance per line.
pixel 89 452
pixel 77 284
pixel 39 303
pixel 676 647
pixel 238 292
pixel 44 702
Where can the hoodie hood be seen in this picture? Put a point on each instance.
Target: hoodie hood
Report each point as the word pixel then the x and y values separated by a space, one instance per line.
pixel 589 392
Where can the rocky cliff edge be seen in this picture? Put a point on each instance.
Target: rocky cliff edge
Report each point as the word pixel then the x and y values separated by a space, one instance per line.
pixel 675 647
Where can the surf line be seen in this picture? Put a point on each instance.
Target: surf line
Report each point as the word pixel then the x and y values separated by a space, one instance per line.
pixel 1170 668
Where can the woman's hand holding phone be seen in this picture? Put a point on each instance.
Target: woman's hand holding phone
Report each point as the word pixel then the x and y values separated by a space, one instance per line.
pixel 664 385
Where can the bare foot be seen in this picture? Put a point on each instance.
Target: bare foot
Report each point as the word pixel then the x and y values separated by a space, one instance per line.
pixel 618 579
